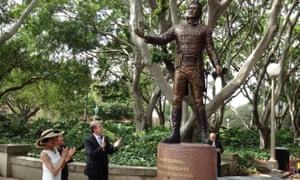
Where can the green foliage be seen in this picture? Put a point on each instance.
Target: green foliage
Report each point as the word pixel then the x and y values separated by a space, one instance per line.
pixel 245 161
pixel 115 111
pixel 4 14
pixel 162 7
pixel 246 144
pixel 237 137
pixel 284 138
pixel 12 126
pixel 43 54
pixel 114 91
pixel 138 149
pixel 157 55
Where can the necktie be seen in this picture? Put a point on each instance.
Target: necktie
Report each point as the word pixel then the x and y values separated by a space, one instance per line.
pixel 99 140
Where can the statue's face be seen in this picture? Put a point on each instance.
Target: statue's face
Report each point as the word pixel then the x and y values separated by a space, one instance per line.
pixel 193 11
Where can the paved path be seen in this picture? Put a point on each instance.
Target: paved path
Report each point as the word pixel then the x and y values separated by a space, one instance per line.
pixel 220 178
pixel 247 178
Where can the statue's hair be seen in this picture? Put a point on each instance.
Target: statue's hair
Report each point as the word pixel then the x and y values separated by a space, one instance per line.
pixel 196 3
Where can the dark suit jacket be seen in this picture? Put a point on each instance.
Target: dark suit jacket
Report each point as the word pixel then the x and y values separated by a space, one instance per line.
pixel 218 145
pixel 96 157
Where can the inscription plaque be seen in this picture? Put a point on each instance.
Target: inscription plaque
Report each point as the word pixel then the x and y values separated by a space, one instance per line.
pixel 186 161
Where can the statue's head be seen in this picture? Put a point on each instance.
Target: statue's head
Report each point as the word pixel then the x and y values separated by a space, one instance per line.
pixel 194 10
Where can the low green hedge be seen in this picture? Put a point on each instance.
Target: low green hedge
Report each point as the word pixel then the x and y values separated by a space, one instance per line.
pixel 138 149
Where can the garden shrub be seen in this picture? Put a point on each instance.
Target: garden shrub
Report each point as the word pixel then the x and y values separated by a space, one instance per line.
pixel 12 126
pixel 117 111
pixel 137 149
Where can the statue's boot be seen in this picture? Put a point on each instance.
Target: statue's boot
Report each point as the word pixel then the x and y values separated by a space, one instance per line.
pixel 175 120
pixel 202 125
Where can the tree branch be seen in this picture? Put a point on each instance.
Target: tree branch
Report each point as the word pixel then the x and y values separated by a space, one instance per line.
pixel 234 84
pixel 14 88
pixel 115 37
pixel 15 27
pixel 215 10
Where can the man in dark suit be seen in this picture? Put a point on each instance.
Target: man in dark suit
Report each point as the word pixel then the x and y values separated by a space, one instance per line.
pixel 97 149
pixel 214 142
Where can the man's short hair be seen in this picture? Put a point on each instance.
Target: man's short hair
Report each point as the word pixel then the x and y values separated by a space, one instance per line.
pixel 93 125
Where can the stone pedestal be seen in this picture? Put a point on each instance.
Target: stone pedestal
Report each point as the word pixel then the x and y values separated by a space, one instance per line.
pixel 8 150
pixel 186 161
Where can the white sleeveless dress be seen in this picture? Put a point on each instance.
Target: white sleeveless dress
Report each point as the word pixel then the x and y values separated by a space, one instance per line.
pixel 54 157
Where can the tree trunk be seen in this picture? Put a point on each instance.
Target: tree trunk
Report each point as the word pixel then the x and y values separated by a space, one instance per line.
pixel 293 110
pixel 264 138
pixel 139 115
pixel 150 108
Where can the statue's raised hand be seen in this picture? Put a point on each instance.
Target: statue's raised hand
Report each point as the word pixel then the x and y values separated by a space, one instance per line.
pixel 139 32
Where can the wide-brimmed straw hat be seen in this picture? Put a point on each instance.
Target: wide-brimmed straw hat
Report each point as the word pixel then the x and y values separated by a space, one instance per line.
pixel 49 133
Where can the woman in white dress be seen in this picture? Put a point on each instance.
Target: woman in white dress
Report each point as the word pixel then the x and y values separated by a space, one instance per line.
pixel 52 161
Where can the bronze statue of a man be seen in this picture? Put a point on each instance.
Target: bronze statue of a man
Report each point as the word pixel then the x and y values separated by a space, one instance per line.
pixel 191 38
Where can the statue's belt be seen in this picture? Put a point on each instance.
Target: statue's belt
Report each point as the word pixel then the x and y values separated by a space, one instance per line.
pixel 190 60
